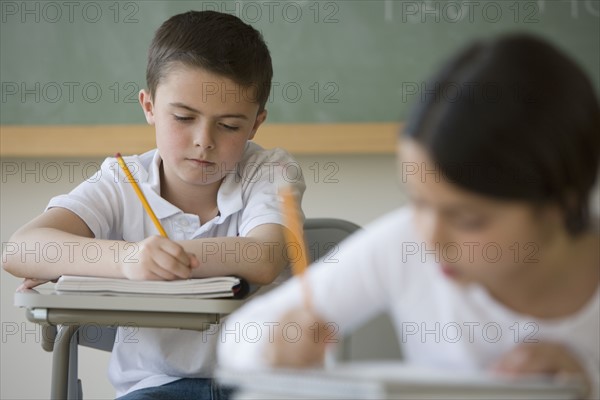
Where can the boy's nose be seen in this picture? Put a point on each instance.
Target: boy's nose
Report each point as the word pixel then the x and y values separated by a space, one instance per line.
pixel 203 137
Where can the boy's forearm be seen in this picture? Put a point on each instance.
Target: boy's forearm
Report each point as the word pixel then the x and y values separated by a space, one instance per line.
pixel 255 260
pixel 47 253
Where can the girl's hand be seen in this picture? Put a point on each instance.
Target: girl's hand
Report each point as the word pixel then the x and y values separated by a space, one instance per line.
pixel 541 358
pixel 159 258
pixel 300 340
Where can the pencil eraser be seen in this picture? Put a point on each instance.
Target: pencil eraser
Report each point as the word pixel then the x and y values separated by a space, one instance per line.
pixel 118 155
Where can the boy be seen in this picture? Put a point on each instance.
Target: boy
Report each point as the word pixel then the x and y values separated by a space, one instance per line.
pixel 215 193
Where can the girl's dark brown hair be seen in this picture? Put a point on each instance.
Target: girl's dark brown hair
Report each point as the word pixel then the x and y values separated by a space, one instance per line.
pixel 514 118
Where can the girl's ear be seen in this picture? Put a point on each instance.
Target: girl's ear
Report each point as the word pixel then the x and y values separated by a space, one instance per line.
pixel 550 219
pixel 147 105
pixel 260 118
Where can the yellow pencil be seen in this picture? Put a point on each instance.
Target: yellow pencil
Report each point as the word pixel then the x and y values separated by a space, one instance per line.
pixel 140 195
pixel 294 238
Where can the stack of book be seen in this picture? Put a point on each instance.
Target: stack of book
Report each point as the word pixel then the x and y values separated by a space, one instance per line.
pixel 224 286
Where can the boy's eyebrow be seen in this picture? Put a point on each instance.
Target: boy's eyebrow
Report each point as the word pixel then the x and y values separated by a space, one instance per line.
pixel 181 105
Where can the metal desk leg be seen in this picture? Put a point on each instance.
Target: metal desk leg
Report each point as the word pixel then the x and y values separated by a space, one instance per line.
pixel 73 388
pixel 60 361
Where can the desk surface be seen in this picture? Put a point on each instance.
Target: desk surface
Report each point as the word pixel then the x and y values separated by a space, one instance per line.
pixel 49 299
pixel 393 380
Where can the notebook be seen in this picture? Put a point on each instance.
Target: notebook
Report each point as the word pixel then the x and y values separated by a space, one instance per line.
pixel 393 380
pixel 223 286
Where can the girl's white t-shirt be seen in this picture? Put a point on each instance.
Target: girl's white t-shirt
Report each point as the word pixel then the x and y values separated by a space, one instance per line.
pixel 439 323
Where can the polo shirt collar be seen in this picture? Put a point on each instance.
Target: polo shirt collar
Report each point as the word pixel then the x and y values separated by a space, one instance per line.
pixel 229 196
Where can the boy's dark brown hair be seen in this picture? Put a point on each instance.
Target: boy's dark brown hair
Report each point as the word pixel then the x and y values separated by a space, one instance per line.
pixel 217 42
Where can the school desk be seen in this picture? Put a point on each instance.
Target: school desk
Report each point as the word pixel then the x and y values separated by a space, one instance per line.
pixel 61 315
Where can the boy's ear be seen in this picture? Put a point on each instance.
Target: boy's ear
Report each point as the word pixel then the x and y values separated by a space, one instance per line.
pixel 147 105
pixel 260 118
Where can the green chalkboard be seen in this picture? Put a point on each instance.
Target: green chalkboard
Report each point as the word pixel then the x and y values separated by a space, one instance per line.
pixel 82 62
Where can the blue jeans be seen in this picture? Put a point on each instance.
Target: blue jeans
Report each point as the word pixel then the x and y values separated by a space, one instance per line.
pixel 186 388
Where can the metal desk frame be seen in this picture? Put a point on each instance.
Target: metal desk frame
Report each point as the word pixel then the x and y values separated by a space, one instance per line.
pixel 61 315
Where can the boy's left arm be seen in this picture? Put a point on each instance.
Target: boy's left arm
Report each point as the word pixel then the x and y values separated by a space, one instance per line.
pixel 259 257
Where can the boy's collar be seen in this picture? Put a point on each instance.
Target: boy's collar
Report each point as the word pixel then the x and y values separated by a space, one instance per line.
pixel 229 196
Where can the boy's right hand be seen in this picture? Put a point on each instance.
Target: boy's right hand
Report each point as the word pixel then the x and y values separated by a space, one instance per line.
pixel 159 258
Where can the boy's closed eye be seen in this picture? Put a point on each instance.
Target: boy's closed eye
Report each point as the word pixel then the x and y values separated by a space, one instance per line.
pixel 182 118
pixel 229 127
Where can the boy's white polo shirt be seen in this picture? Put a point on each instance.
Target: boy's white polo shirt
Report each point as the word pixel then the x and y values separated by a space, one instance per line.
pixel 108 204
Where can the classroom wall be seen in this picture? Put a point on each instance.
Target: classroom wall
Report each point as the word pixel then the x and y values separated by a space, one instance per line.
pixel 356 188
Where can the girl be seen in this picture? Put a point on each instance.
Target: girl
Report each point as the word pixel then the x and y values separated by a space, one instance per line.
pixel 495 262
